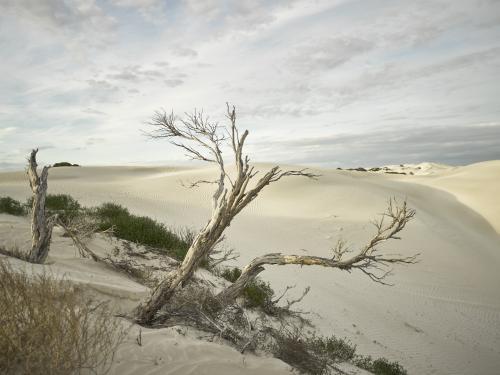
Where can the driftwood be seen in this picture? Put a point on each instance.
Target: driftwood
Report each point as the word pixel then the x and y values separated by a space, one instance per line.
pixel 203 140
pixel 367 259
pixel 41 225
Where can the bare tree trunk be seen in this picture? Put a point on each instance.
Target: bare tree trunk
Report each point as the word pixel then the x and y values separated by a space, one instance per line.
pixel 202 245
pixel 41 226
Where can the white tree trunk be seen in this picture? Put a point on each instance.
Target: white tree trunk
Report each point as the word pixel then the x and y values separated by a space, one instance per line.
pixel 41 226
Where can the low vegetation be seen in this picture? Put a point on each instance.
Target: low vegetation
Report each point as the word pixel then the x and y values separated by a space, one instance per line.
pixel 379 366
pixel 257 293
pixel 11 206
pixel 49 327
pixel 140 229
pixel 64 164
pixel 317 355
pixel 64 205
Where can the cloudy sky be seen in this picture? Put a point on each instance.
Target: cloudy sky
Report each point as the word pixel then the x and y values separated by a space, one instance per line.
pixel 329 83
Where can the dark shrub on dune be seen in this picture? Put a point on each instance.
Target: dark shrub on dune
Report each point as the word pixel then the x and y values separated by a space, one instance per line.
pixel 11 206
pixel 140 229
pixel 64 164
pixel 64 205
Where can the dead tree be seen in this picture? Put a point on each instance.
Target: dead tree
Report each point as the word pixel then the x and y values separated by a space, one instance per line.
pixel 204 140
pixel 367 259
pixel 41 225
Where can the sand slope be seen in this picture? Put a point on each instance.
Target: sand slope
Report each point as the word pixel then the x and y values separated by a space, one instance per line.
pixel 443 314
pixel 166 351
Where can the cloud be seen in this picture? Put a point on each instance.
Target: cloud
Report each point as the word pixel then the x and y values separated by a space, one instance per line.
pixel 101 85
pixel 173 82
pixel 135 74
pixel 184 51
pixel 319 55
pixel 246 15
pixel 81 20
pixel 135 3
pixel 4 132
pixel 450 145
pixel 94 140
pixel 92 111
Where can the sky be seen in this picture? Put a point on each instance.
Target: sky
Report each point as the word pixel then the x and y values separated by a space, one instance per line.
pixel 320 83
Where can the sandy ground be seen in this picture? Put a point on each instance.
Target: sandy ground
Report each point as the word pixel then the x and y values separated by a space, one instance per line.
pixel 442 316
pixel 167 351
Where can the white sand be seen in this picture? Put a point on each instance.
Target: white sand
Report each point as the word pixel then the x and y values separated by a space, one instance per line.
pixel 441 317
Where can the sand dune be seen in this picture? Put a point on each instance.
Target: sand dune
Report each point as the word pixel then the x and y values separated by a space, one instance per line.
pixel 443 314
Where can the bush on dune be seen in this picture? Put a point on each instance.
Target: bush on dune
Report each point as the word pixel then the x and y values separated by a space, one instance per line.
pixel 140 229
pixel 257 293
pixel 64 164
pixel 11 206
pixel 380 366
pixel 48 327
pixel 64 205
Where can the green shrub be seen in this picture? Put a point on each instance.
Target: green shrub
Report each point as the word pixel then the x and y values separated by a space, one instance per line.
pixel 140 229
pixel 310 354
pixel 11 206
pixel 258 293
pixel 336 349
pixel 317 354
pixel 231 274
pixel 65 164
pixel 294 348
pixel 380 366
pixel 64 205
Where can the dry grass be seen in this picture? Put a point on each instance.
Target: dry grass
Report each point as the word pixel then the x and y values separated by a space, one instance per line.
pixel 48 327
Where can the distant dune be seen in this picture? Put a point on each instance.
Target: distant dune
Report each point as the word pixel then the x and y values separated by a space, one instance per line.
pixel 443 314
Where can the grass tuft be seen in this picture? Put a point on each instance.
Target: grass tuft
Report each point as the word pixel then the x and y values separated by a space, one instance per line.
pixel 48 327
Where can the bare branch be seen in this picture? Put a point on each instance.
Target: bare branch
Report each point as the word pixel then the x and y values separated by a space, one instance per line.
pixel 366 259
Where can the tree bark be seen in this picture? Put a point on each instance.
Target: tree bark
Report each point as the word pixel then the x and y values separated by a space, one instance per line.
pixel 41 226
pixel 201 247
